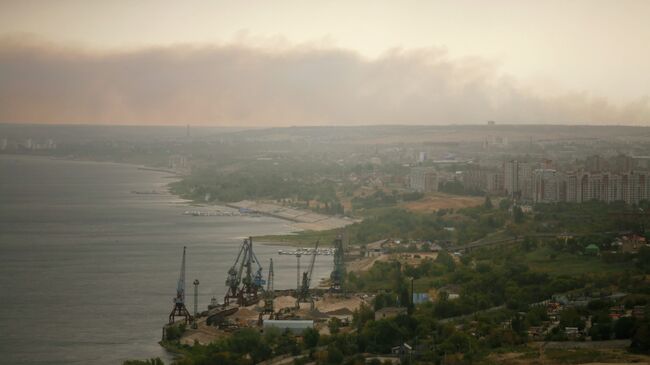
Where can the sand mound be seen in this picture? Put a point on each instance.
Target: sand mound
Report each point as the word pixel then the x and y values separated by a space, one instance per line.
pixel 245 314
pixel 340 312
pixel 331 303
pixel 286 301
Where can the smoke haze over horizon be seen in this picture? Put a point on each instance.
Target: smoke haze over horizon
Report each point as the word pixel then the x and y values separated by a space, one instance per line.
pixel 291 62
pixel 231 84
pixel 252 85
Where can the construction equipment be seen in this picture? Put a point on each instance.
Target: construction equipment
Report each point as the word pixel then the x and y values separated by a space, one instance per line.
pixel 298 255
pixel 244 285
pixel 269 295
pixel 179 309
pixel 338 274
pixel 303 294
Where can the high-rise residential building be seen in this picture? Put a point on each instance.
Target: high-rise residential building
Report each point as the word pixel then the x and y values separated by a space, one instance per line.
pixel 474 178
pixel 424 179
pixel 580 187
pixel 517 179
pixel 494 183
pixel 546 187
pixel 510 178
pixel 595 163
pixel 621 163
pixel 641 162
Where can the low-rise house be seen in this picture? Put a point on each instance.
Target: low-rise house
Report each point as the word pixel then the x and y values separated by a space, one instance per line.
pixel 419 298
pixel 536 332
pixel 404 349
pixel 573 333
pixel 451 291
pixel 616 311
pixel 294 326
pixel 389 312
pixel 592 250
pixel 638 312
pixel 435 247
pixel 630 243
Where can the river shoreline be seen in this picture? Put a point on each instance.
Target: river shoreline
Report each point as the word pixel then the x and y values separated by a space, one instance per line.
pixel 106 261
pixel 310 221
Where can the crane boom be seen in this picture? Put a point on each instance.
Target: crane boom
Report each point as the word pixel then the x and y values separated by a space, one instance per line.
pixel 180 288
pixel 269 281
pixel 311 264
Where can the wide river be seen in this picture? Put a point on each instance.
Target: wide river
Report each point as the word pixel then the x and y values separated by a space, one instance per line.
pixel 88 269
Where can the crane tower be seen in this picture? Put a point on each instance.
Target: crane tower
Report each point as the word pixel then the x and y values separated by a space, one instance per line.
pixel 269 295
pixel 304 295
pixel 179 309
pixel 338 274
pixel 244 279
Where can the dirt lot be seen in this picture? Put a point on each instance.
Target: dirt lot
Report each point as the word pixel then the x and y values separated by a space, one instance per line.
pixel 204 334
pixel 332 303
pixel 438 201
pixel 537 353
pixel 364 264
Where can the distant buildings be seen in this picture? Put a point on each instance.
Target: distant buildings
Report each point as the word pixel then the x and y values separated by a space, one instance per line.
pixel 545 186
pixel 477 178
pixel 550 186
pixel 26 144
pixel 179 162
pixel 517 179
pixel 578 187
pixel 423 179
pixel 494 183
pixel 619 178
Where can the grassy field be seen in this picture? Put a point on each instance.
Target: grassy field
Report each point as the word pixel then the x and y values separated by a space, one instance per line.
pixel 526 355
pixel 566 263
pixel 438 201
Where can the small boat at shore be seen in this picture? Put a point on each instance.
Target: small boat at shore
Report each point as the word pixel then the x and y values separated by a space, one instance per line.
pixel 308 251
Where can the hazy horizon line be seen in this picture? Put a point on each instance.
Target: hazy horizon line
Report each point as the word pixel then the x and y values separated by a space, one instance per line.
pixel 241 85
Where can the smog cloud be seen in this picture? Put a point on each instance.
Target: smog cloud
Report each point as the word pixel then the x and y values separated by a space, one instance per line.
pixel 291 85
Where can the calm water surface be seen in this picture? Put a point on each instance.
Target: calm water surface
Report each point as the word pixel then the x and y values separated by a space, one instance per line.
pixel 88 269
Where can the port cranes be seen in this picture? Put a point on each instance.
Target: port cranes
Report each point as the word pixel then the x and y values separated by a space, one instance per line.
pixel 244 284
pixel 179 309
pixel 303 294
pixel 269 295
pixel 336 278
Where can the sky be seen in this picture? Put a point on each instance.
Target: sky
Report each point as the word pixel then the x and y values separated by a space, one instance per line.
pixel 258 63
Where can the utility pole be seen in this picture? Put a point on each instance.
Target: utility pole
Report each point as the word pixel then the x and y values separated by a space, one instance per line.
pixel 412 294
pixel 298 272
pixel 196 302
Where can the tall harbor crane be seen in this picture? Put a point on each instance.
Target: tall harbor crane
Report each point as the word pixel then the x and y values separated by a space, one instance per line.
pixel 269 295
pixel 304 295
pixel 179 309
pixel 244 284
pixel 336 278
